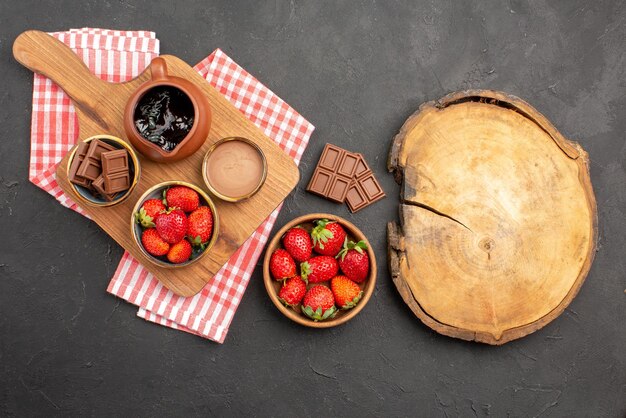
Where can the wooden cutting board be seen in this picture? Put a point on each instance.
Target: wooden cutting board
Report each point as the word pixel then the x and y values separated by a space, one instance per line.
pixel 100 106
pixel 498 219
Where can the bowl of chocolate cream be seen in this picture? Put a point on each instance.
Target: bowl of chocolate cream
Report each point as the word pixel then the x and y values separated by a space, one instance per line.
pixel 234 169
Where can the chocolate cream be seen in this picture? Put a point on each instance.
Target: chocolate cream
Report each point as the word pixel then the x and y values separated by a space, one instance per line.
pixel 234 168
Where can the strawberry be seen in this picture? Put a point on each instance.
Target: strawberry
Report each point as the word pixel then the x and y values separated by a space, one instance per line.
pixel 153 243
pixel 172 225
pixel 319 269
pixel 182 197
pixel 319 303
pixel 148 213
pixel 292 291
pixel 179 252
pixel 347 293
pixel 354 262
pixel 200 226
pixel 282 265
pixel 297 242
pixel 328 237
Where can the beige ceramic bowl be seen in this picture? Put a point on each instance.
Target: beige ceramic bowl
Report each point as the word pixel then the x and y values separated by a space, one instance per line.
pixel 156 192
pixel 206 176
pixel 84 195
pixel 273 286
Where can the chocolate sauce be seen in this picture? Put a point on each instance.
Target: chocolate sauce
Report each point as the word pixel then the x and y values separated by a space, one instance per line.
pixel 164 116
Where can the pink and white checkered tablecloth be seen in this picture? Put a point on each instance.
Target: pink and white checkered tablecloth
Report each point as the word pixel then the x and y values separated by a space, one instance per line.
pixel 118 56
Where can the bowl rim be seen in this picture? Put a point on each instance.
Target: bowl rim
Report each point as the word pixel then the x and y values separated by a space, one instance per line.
pixel 133 157
pixel 205 177
pixel 299 318
pixel 144 196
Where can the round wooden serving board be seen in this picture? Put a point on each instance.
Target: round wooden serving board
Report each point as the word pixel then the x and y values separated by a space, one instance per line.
pixel 100 109
pixel 498 218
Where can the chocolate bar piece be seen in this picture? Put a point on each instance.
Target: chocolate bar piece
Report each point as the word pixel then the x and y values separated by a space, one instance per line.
pixel 116 182
pixel 79 156
pixel 333 174
pixel 91 167
pixel 341 176
pixel 98 186
pixel 364 189
pixel 114 161
pixel 115 170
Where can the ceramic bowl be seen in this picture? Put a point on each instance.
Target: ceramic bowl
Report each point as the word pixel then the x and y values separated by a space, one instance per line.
pixel 85 195
pixel 273 286
pixel 205 166
pixel 156 192
pixel 202 115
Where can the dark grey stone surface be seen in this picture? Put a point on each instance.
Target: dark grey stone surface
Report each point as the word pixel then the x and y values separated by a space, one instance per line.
pixel 356 70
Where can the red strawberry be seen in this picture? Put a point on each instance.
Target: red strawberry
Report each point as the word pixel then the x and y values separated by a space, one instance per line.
pixel 148 213
pixel 172 226
pixel 200 226
pixel 354 262
pixel 297 242
pixel 328 237
pixel 183 198
pixel 347 293
pixel 319 269
pixel 319 303
pixel 179 252
pixel 153 243
pixel 282 265
pixel 292 291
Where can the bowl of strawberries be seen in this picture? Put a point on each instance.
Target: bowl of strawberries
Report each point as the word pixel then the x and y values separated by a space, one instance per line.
pixel 174 224
pixel 319 270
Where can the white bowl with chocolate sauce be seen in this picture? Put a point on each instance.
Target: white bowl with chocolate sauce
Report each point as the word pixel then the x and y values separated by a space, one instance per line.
pixel 234 169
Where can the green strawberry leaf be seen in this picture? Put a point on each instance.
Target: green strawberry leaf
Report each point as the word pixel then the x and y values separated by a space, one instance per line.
pixel 330 313
pixel 305 270
pixel 353 302
pixel 143 219
pixel 344 249
pixel 322 223
pixel 307 310
pixel 320 234
pixel 360 246
pixel 197 241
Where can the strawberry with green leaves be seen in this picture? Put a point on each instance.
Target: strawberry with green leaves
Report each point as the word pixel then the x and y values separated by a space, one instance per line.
pixel 181 197
pixel 297 242
pixel 319 303
pixel 200 226
pixel 354 262
pixel 319 269
pixel 282 265
pixel 150 210
pixel 293 291
pixel 346 292
pixel 328 237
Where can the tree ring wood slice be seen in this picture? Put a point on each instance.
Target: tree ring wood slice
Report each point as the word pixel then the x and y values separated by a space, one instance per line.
pixel 498 220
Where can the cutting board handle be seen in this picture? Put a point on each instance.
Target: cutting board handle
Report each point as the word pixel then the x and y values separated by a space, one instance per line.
pixel 50 57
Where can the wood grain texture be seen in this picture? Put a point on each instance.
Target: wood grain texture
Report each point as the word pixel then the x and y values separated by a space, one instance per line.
pixel 100 106
pixel 498 217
